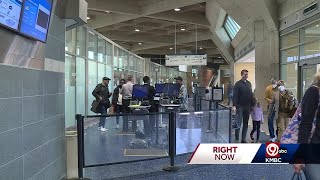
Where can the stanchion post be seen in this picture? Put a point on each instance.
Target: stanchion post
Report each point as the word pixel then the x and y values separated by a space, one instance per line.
pixel 209 120
pixel 172 143
pixel 80 135
pixel 230 124
pixel 217 120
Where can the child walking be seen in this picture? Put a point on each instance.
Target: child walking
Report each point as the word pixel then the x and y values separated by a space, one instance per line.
pixel 257 119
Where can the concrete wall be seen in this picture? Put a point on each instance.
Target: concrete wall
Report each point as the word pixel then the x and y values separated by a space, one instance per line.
pixel 32 105
pixel 250 66
pixel 287 7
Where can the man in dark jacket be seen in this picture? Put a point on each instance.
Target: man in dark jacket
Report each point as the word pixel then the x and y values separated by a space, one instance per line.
pixel 149 127
pixel 116 101
pixel 102 94
pixel 242 103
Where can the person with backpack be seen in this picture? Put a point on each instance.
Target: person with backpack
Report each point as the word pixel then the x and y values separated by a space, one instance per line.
pixel 102 95
pixel 117 100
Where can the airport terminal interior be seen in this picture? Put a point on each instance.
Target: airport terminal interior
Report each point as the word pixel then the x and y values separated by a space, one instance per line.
pixel 128 89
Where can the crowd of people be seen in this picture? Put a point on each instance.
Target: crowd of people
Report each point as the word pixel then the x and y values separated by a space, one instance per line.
pixel 120 101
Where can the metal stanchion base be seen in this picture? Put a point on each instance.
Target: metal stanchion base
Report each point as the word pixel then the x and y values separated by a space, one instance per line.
pixel 208 131
pixel 171 168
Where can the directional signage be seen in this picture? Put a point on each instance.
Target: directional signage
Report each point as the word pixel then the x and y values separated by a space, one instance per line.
pixel 189 60
pixel 218 61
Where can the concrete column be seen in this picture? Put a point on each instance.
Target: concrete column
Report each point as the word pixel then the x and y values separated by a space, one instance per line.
pixel 266 57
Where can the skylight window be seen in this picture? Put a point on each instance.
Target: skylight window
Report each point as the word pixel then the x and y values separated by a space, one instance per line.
pixel 231 27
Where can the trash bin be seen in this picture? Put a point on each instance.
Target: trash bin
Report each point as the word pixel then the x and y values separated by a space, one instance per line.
pixel 72 154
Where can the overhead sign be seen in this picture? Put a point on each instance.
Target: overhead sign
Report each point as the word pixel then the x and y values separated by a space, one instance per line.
pixel 218 61
pixel 189 60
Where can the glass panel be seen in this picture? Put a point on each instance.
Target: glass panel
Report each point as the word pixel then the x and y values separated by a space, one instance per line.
pixel 81 85
pixel 310 50
pixel 290 39
pixel 70 90
pixel 126 60
pixel 289 73
pixel 115 76
pixel 81 41
pixel 101 72
pixel 310 33
pixel 92 46
pixel 101 49
pixel 71 41
pixel 115 57
pixel 109 53
pixel 308 77
pixel 109 74
pixel 231 27
pixel 290 55
pixel 121 53
pixel 131 62
pixel 92 82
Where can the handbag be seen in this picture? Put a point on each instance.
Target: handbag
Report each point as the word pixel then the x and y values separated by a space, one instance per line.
pixel 296 176
pixel 95 106
pixel 290 135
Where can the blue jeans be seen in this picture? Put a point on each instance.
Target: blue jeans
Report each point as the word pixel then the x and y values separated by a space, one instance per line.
pixel 271 124
pixel 118 111
pixel 103 111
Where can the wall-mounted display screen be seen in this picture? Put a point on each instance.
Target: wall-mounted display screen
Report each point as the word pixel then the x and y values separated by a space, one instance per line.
pixel 10 11
pixel 35 18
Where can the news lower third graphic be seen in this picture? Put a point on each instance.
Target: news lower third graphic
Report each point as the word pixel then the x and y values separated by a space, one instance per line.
pixel 269 153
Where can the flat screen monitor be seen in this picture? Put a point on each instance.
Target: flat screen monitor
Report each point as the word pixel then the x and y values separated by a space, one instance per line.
pixel 140 91
pixel 35 19
pixel 10 11
pixel 173 90
pixel 160 88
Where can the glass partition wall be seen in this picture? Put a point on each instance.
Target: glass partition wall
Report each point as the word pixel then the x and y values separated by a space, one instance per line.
pixel 300 44
pixel 91 56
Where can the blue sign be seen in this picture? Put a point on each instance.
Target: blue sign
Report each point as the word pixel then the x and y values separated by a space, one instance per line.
pixel 10 11
pixel 35 18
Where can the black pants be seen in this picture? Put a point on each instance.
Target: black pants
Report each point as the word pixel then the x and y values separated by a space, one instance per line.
pixel 256 127
pixel 118 111
pixel 244 113
pixel 126 110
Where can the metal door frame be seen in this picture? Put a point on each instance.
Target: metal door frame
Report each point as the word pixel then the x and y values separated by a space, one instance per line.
pixel 307 64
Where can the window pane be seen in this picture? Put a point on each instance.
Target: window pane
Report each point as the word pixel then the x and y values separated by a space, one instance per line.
pixel 101 49
pixel 71 41
pixel 116 76
pixel 109 74
pixel 231 27
pixel 70 90
pixel 126 60
pixel 115 57
pixel 92 46
pixel 80 85
pixel 310 33
pixel 289 73
pixel 290 39
pixel 101 71
pixel 290 55
pixel 109 53
pixel 81 41
pixel 310 50
pixel 92 82
pixel 121 53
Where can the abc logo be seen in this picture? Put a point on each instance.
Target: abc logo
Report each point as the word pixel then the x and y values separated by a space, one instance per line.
pixel 273 150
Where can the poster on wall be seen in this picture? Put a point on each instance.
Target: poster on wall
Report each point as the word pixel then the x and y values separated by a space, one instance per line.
pixel 10 11
pixel 189 60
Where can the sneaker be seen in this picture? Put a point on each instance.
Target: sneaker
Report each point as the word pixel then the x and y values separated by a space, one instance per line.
pixel 99 128
pixel 273 139
pixel 102 129
pixel 251 136
pixel 117 126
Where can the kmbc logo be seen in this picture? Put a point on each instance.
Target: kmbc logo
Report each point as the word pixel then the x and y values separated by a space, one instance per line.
pixel 273 152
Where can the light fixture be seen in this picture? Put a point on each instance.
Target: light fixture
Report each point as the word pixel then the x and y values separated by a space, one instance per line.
pixel 140 43
pixel 107 11
pixel 171 48
pixel 200 48
pixel 137 30
pixel 219 57
pixel 182 28
pixel 317 25
pixel 177 9
pixel 88 17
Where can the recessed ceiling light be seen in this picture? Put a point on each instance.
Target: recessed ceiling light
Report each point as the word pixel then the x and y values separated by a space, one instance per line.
pixel 200 48
pixel 171 48
pixel 177 9
pixel 88 17
pixel 183 29
pixel 107 11
pixel 139 43
pixel 317 25
pixel 219 57
pixel 137 30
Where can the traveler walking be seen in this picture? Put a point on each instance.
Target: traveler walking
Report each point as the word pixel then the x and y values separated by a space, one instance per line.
pixel 257 120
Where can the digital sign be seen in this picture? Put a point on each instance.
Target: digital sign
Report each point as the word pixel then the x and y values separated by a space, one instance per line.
pixel 10 11
pixel 35 18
